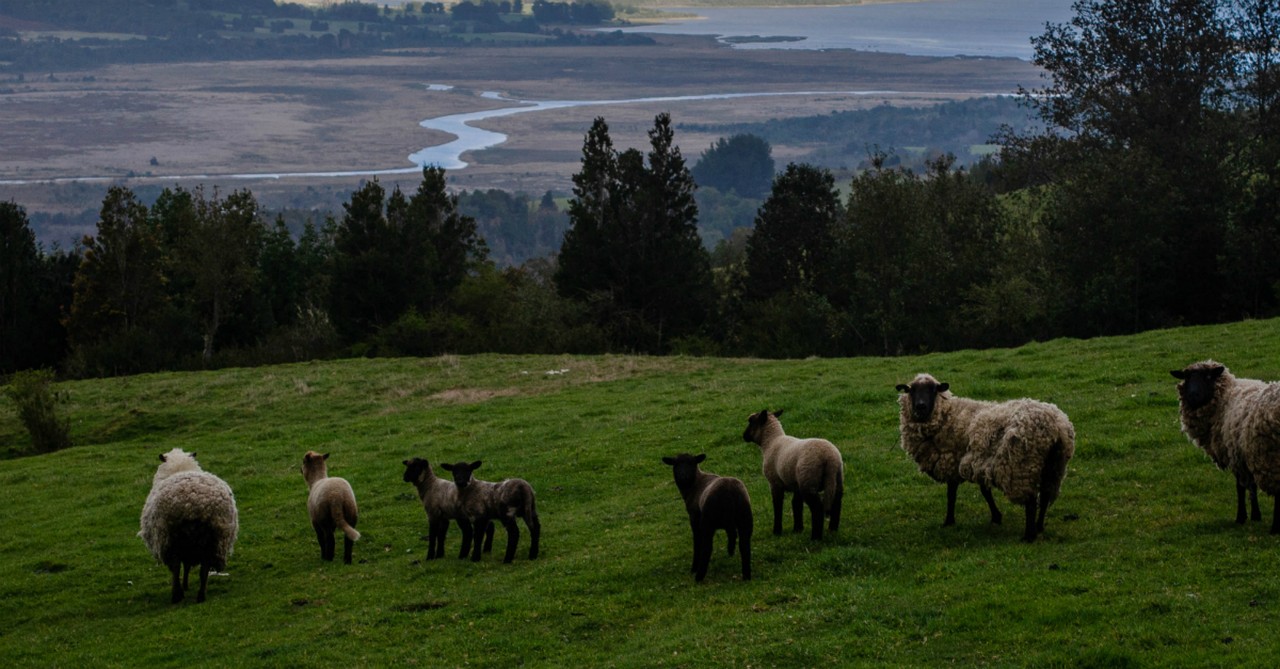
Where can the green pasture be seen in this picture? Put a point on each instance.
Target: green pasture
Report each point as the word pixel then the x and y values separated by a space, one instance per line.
pixel 1141 564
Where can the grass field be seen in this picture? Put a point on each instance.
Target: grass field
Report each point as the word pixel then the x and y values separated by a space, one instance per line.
pixel 1141 564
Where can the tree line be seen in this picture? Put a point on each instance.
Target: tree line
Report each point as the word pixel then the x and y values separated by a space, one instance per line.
pixel 168 30
pixel 1147 198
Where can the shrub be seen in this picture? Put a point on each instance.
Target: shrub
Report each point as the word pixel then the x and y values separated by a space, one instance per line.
pixel 37 408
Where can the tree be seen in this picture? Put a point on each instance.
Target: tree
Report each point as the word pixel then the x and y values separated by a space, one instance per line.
pixel 1137 123
pixel 119 289
pixel 742 164
pixel 632 250
pixel 792 246
pixel 220 253
pixel 393 254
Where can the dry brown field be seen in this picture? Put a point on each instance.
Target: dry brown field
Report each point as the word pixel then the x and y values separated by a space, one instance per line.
pixel 221 118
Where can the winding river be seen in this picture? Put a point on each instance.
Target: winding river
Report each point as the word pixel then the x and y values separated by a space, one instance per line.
pixel 447 155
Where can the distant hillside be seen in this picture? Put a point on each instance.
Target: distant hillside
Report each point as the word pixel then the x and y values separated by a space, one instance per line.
pixel 961 128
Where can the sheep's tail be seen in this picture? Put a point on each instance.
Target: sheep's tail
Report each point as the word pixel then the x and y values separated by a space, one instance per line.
pixel 339 510
pixel 833 485
pixel 351 532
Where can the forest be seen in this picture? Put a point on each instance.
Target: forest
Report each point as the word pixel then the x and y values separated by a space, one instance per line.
pixel 1094 222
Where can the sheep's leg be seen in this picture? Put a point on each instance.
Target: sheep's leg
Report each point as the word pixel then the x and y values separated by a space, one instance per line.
pixel 176 594
pixel 1044 509
pixel 996 516
pixel 815 510
pixel 732 533
pixel 693 526
pixel 513 538
pixel 778 494
pixel 467 535
pixel 186 575
pixel 1240 495
pixel 951 503
pixel 702 553
pixel 835 510
pixel 326 552
pixel 1253 497
pixel 204 581
pixel 1029 534
pixel 476 544
pixel 535 532
pixel 744 548
pixel 1275 517
pixel 489 529
pixel 347 545
pixel 797 511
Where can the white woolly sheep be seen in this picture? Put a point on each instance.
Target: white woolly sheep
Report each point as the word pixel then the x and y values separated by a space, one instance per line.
pixel 1237 423
pixel 713 503
pixel 811 469
pixel 189 518
pixel 331 505
pixel 1020 447
pixel 484 502
pixel 440 502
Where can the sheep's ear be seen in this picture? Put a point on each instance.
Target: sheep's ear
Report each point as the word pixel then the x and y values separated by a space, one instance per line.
pixel 192 454
pixel 1178 374
pixel 447 467
pixel 699 458
pixel 778 413
pixel 904 388
pixel 325 456
pixel 669 461
pixel 405 463
pixel 943 387
pixel 475 465
pixel 1216 372
pixel 163 459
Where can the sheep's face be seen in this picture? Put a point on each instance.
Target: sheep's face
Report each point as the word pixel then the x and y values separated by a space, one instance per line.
pixel 462 472
pixel 1198 383
pixel 414 469
pixel 755 425
pixel 922 396
pixel 685 468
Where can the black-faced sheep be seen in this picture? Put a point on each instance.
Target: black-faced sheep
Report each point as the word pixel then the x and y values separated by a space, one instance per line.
pixel 440 502
pixel 1020 447
pixel 811 469
pixel 189 518
pixel 483 502
pixel 1237 423
pixel 331 505
pixel 713 503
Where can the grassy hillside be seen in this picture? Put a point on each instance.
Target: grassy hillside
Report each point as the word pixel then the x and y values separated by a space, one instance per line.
pixel 1141 564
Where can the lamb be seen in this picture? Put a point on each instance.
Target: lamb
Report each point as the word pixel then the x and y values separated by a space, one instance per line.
pixel 1237 423
pixel 440 502
pixel 189 518
pixel 331 504
pixel 713 503
pixel 483 502
pixel 1020 447
pixel 811 469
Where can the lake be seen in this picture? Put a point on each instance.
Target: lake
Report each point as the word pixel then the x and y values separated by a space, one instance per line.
pixel 990 28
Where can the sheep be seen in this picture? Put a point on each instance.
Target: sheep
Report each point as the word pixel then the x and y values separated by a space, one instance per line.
pixel 713 503
pixel 1020 447
pixel 483 502
pixel 331 505
pixel 440 502
pixel 189 518
pixel 811 469
pixel 1237 423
